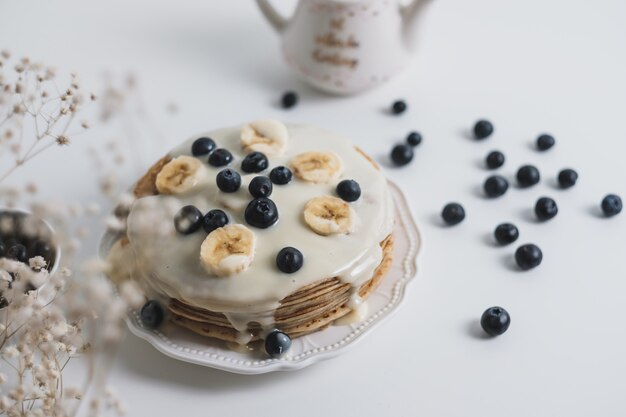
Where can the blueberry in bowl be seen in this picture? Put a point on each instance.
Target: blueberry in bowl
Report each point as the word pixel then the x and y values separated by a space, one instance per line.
pixel 24 236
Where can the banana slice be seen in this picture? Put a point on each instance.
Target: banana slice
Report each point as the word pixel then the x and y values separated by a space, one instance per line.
pixel 228 250
pixel 327 215
pixel 317 167
pixel 178 175
pixel 266 136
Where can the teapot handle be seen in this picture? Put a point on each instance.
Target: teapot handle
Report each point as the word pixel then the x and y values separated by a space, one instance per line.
pixel 278 22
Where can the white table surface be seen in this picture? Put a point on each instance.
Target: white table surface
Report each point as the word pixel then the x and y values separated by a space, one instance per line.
pixel 529 66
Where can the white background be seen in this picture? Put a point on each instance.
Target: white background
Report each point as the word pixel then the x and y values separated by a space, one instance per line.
pixel 529 66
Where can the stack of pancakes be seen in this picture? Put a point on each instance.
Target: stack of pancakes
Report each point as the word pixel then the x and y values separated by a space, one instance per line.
pixel 309 309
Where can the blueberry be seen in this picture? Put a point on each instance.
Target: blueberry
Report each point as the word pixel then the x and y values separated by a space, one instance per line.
pixel 349 190
pixel 398 107
pixel 611 205
pixel 453 213
pixel 495 321
pixel 527 176
pixel 12 241
pixel 528 256
pixel 214 219
pixel 220 157
pixel 546 208
pixel 228 180
pixel 402 154
pixel 414 139
pixel 17 252
pixel 261 213
pixel 202 146
pixel 495 186
pixel 495 159
pixel 289 260
pixel 260 186
pixel 188 220
pixel 277 343
pixel 545 142
pixel 152 314
pixel 289 99
pixel 254 162
pixel 506 233
pixel 567 178
pixel 281 175
pixel 483 129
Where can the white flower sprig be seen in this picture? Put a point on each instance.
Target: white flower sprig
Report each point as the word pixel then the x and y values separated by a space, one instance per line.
pixel 36 113
pixel 42 330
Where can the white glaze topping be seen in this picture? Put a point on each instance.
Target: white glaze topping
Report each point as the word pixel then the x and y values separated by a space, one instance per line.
pixel 170 261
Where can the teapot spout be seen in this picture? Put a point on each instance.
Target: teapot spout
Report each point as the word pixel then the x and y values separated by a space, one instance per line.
pixel 410 16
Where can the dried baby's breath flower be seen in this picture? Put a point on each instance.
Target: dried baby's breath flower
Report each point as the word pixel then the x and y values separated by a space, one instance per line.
pixel 33 118
pixel 31 188
pixel 63 140
pixel 92 209
pixel 37 262
pixel 74 392
pixel 55 317
pixel 131 294
pixel 10 352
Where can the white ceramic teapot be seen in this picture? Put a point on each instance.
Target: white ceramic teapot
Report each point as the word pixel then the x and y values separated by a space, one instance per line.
pixel 346 46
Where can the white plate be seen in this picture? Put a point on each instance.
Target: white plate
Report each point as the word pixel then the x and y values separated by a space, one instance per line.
pixel 182 344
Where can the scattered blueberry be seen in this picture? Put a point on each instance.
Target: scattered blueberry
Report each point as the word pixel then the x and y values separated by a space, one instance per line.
pixel 528 256
pixel 546 208
pixel 567 178
pixel 289 260
pixel 289 99
pixel 527 176
pixel 545 142
pixel 214 219
pixel 414 139
pixel 495 186
pixel 277 343
pixel 188 220
pixel 402 154
pixel 349 190
pixel 260 186
pixel 483 129
pixel 254 162
pixel 281 175
pixel 495 159
pixel 398 107
pixel 152 314
pixel 506 233
pixel 453 213
pixel 228 180
pixel 495 321
pixel 202 146
pixel 220 157
pixel 261 213
pixel 611 205
pixel 17 252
